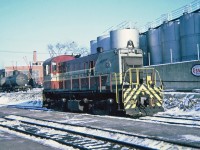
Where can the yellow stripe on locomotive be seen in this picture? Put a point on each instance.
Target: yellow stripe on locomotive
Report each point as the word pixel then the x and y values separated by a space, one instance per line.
pixel 142 92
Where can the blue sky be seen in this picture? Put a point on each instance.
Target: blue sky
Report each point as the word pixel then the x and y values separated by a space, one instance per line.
pixel 28 25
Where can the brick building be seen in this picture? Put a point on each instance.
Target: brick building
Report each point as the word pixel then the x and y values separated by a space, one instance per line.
pixel 36 67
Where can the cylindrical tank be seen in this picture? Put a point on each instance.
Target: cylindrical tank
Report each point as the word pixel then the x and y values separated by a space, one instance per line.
pixel 120 38
pixel 93 46
pixel 104 42
pixel 19 80
pixel 3 81
pixel 143 46
pixel 16 72
pixel 170 38
pixel 190 35
pixel 154 46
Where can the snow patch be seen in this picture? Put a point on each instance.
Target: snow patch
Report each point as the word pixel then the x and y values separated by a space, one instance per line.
pixel 191 138
pixel 29 98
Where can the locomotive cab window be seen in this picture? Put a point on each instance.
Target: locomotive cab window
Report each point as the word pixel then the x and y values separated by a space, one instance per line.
pixel 54 67
pixel 61 67
pixel 86 66
pixel 46 70
pixel 67 67
pixel 92 67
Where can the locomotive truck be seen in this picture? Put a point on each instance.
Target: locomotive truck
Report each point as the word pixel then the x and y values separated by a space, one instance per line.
pixel 108 82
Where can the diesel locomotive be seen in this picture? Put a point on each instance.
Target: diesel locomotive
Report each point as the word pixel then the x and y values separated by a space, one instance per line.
pixel 108 82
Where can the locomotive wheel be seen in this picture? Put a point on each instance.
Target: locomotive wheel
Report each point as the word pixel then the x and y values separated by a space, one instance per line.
pixel 64 105
pixel 86 106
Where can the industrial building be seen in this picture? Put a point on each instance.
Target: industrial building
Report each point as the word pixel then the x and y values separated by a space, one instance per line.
pixel 171 44
pixel 173 41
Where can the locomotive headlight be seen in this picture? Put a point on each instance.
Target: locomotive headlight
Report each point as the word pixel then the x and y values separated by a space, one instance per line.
pixel 85 100
pixel 64 100
pixel 110 101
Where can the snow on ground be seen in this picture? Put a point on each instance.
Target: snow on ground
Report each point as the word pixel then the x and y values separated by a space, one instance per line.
pixel 174 103
pixel 29 98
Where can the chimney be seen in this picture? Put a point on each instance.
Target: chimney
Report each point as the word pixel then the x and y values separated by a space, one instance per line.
pixel 34 56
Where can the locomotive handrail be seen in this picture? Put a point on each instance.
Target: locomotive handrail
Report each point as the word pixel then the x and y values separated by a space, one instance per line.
pixel 159 78
pixel 145 82
pixel 77 75
pixel 137 76
pixel 78 72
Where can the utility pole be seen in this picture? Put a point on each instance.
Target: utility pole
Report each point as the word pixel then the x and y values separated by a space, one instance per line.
pixel 29 67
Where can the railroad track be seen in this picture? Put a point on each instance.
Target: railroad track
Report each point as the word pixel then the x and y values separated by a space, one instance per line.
pixel 184 121
pixel 64 136
pixel 83 137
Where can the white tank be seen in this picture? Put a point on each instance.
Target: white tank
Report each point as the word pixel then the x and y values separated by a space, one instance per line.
pixel 93 46
pixel 104 42
pixel 119 38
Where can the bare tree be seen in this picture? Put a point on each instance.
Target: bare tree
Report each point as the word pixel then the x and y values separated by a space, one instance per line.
pixel 67 48
pixel 60 47
pixel 51 50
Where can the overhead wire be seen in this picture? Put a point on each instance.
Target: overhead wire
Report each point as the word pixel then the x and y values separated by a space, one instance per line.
pixel 4 51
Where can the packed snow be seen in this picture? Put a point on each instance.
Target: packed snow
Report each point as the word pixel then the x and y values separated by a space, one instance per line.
pixel 177 104
pixel 182 104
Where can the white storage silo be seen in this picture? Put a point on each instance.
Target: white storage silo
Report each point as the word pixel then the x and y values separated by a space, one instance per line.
pixel 120 38
pixel 190 35
pixel 93 46
pixel 104 42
